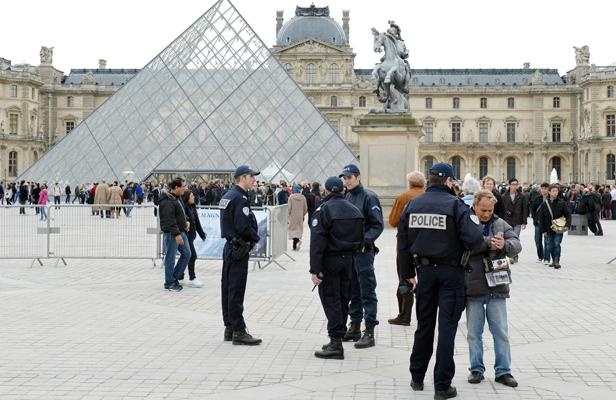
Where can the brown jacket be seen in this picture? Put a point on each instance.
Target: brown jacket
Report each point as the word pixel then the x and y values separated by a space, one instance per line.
pixel 400 204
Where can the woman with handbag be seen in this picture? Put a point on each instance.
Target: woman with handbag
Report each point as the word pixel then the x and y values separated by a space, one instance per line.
pixel 555 220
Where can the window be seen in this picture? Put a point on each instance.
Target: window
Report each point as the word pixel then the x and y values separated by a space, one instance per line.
pixel 428 163
pixel 510 102
pixel 33 94
pixel 455 163
pixel 510 168
pixel 428 129
pixel 311 74
pixel 510 132
pixel 611 166
pixel 456 102
pixel 483 167
pixel 70 101
pixel 556 133
pixel 333 101
pixel 455 132
pixel 483 102
pixel 13 123
pixel 610 91
pixel 362 101
pixel 13 90
pixel 13 163
pixel 70 125
pixel 334 73
pixel 428 102
pixel 556 103
pixel 610 125
pixel 483 132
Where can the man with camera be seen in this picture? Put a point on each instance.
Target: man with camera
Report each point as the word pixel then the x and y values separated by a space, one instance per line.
pixel 487 282
pixel 337 234
pixel 238 225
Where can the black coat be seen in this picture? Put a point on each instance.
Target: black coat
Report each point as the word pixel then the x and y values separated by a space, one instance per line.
pixel 515 212
pixel 559 209
pixel 195 224
pixel 172 216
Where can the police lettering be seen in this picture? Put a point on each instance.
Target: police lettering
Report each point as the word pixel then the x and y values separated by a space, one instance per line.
pixel 428 221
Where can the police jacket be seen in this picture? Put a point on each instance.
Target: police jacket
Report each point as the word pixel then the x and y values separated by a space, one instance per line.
pixel 172 215
pixel 368 203
pixel 236 219
pixel 438 226
pixel 336 228
pixel 475 279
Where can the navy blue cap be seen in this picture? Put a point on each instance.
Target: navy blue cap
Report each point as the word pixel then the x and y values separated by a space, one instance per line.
pixel 334 184
pixel 243 170
pixel 349 170
pixel 442 170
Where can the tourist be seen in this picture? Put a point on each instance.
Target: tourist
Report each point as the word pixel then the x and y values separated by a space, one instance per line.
pixel 298 208
pixel 115 199
pixel 515 207
pixel 489 183
pixel 57 194
pixel 194 228
pixel 42 201
pixel 555 208
pixel 469 187
pixel 101 197
pixel 538 201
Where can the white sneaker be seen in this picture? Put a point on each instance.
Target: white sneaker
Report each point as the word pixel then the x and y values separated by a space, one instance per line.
pixel 539 261
pixel 193 283
pixel 546 262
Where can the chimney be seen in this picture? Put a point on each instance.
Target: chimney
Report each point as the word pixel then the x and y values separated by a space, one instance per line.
pixel 345 24
pixel 279 20
pixel 102 64
pixel 526 65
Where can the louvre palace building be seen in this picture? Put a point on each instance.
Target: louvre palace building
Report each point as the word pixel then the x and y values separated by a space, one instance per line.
pixel 518 122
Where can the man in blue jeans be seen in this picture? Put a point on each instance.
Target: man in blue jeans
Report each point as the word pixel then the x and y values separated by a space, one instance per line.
pixel 174 225
pixel 487 290
pixel 363 284
pixel 536 204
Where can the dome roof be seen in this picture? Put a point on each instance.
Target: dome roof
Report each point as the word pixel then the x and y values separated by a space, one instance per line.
pixel 311 23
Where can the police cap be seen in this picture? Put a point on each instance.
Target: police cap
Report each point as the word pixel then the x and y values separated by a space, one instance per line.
pixel 442 170
pixel 334 184
pixel 243 170
pixel 349 170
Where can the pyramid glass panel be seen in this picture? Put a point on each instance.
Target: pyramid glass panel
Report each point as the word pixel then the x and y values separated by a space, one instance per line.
pixel 211 100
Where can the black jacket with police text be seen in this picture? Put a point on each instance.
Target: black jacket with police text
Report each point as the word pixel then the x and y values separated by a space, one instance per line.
pixel 236 218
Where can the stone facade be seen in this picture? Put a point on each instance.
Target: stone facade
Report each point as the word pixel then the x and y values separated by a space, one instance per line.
pixel 513 122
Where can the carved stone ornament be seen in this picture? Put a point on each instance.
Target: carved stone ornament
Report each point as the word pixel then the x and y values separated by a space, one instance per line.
pixel 46 55
pixel 88 79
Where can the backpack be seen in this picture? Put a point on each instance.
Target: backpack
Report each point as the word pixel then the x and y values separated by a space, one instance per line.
pixel 581 207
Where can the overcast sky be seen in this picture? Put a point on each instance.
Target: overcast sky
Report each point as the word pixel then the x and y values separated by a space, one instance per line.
pixel 439 34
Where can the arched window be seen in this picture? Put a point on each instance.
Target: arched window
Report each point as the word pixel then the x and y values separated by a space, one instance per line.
pixel 428 163
pixel 510 167
pixel 611 166
pixel 556 164
pixel 362 101
pixel 456 163
pixel 333 101
pixel 13 163
pixel 483 167
pixel 610 91
pixel 334 73
pixel 311 74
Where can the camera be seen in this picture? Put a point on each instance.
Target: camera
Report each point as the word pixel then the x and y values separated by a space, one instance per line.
pixel 501 263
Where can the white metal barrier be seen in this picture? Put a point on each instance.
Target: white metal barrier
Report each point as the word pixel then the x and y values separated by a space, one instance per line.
pixel 24 235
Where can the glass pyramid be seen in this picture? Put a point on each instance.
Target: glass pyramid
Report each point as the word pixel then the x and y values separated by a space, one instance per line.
pixel 215 98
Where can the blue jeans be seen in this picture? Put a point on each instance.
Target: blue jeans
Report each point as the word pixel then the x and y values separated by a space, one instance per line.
pixel 127 210
pixel 541 243
pixel 552 246
pixel 363 290
pixel 171 248
pixel 43 213
pixel 495 311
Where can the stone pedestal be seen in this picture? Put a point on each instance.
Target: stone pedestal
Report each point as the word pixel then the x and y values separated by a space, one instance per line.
pixel 388 150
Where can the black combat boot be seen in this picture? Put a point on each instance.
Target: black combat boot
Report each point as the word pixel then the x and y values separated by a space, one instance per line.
pixel 228 334
pixel 242 337
pixel 333 350
pixel 353 333
pixel 556 262
pixel 367 339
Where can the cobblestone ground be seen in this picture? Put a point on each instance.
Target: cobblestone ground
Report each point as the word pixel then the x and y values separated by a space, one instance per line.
pixel 105 329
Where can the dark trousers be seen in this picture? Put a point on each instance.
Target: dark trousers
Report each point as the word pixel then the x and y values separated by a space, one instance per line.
pixel 68 199
pixel 594 222
pixel 405 301
pixel 22 210
pixel 553 241
pixel 335 292
pixel 540 244
pixel 193 258
pixel 613 209
pixel 363 290
pixel 233 288
pixel 607 211
pixel 440 289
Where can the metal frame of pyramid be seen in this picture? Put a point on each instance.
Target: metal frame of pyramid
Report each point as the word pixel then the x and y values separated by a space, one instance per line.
pixel 213 99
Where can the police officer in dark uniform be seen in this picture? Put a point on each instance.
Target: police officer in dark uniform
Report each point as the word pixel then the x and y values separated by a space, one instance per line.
pixel 238 226
pixel 363 287
pixel 337 234
pixel 435 230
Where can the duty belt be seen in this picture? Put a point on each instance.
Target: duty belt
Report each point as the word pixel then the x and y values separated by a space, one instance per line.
pixel 432 261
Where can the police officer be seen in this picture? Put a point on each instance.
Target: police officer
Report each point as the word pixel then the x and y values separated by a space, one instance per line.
pixel 435 230
pixel 336 235
pixel 363 286
pixel 238 226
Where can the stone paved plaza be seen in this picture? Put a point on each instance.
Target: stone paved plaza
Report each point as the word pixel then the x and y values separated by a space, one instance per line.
pixel 105 329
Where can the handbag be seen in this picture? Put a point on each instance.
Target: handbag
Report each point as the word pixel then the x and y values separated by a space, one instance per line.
pixel 559 225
